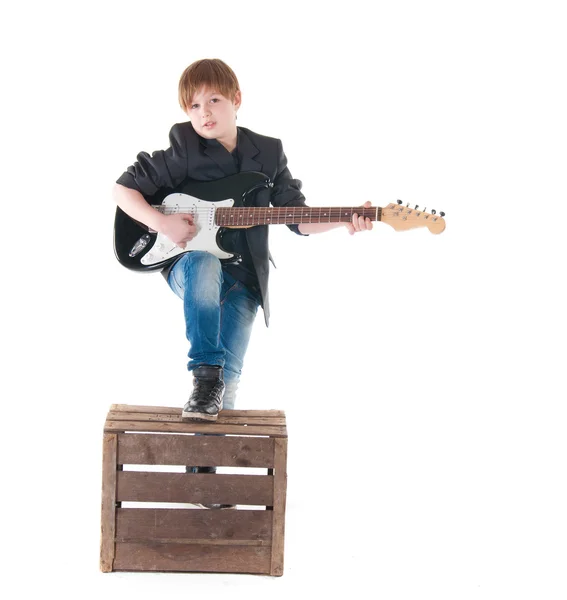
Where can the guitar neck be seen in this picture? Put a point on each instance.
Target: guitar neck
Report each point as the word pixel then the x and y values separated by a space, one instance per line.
pixel 291 215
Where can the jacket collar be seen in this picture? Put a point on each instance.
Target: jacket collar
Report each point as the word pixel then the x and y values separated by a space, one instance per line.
pixel 223 158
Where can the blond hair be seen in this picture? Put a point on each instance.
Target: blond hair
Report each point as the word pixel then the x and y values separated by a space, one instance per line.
pixel 212 73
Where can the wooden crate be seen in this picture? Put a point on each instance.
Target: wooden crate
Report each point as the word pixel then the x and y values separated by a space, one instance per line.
pixel 177 536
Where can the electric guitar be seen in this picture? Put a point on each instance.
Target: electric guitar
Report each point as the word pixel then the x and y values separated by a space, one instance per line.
pixel 222 205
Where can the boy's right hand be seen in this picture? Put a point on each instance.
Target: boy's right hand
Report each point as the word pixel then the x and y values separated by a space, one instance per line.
pixel 179 228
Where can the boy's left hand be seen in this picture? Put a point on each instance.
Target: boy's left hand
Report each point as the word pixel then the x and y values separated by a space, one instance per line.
pixel 359 223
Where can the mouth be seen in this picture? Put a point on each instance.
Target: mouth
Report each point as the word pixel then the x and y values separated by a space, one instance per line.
pixel 209 125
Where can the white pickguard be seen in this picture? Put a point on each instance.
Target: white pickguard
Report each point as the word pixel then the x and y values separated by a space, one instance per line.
pixel 203 213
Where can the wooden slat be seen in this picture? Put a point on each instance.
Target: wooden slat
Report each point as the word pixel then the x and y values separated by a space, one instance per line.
pixel 151 556
pixel 203 450
pixel 114 415
pixel 195 541
pixel 176 410
pixel 280 486
pixel 194 427
pixel 218 526
pixel 108 521
pixel 136 486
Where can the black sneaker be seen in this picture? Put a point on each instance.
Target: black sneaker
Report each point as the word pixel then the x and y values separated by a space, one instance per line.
pixel 211 470
pixel 205 401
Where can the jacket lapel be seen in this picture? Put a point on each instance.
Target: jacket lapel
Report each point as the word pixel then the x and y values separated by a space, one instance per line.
pixel 220 155
pixel 247 151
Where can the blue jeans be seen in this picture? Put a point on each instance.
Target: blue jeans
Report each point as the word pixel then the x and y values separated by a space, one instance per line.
pixel 219 314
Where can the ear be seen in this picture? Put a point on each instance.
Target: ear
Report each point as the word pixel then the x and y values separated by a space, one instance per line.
pixel 237 99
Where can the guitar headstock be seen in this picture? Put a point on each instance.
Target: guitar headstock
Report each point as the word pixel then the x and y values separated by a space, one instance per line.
pixel 402 218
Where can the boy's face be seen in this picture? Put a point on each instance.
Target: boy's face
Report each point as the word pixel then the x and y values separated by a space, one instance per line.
pixel 208 106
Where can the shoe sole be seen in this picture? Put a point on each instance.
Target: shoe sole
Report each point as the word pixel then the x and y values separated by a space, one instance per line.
pixel 191 416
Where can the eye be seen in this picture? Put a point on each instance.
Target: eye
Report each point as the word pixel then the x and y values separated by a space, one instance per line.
pixel 212 100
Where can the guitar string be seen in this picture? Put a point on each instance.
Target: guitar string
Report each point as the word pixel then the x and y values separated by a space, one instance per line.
pixel 246 217
pixel 278 212
pixel 261 208
pixel 282 211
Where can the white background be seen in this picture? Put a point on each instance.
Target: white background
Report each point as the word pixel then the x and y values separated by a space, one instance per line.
pixel 421 375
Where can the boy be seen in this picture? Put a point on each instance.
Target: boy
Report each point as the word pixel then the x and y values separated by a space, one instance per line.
pixel 220 301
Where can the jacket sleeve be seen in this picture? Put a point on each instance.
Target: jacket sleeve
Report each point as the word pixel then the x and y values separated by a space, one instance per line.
pixel 286 190
pixel 163 169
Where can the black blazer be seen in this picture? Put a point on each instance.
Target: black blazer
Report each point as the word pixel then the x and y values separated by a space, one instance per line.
pixel 191 156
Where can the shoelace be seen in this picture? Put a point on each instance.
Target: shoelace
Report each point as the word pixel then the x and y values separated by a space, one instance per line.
pixel 209 387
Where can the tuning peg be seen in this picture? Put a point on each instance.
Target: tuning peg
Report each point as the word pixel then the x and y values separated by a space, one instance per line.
pixel 442 213
pixel 399 201
pixel 416 206
pixel 407 205
pixel 433 211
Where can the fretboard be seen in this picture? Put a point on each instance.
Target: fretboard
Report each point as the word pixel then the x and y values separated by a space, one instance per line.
pixel 289 215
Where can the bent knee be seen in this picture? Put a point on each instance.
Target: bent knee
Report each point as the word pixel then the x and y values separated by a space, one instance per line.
pixel 201 260
pixel 203 277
